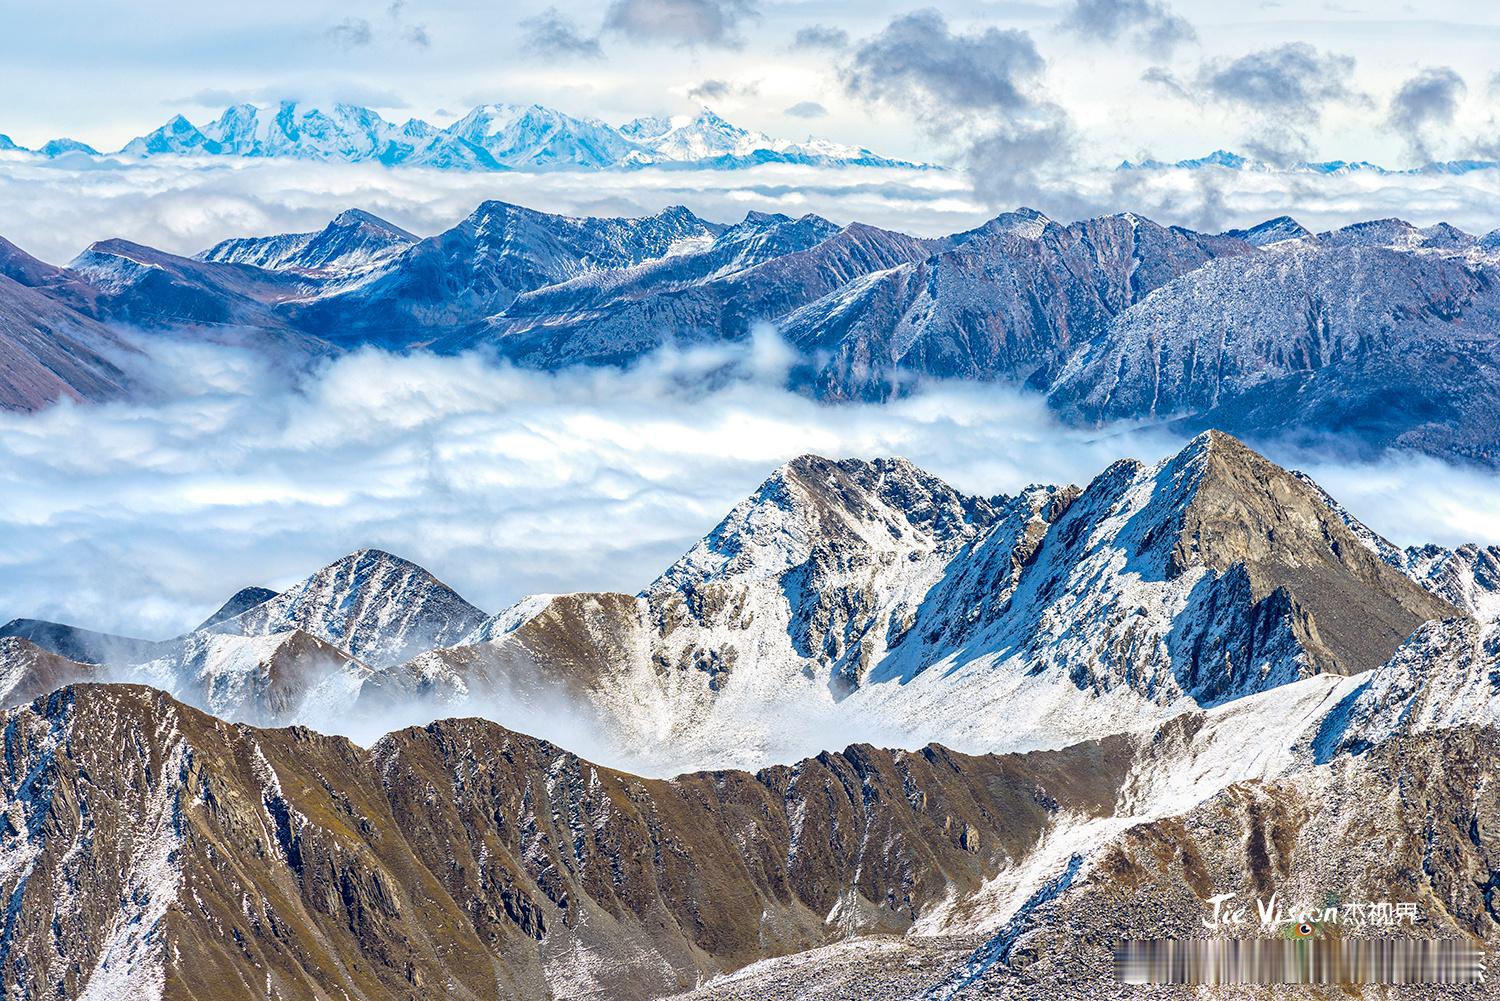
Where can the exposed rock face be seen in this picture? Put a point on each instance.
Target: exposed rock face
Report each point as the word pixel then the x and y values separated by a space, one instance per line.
pixel 136 284
pixel 461 858
pixel 148 849
pixel 1247 511
pixel 1410 821
pixel 1446 676
pixel 1296 338
pixel 27 671
pixel 477 268
pixel 1467 577
pixel 852 594
pixel 49 351
pixel 1010 300
pixel 840 552
pixel 755 272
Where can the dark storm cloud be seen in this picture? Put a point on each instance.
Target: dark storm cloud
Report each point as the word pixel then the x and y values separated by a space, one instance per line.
pixel 820 36
pixel 1167 80
pixel 552 33
pixel 1150 24
pixel 981 90
pixel 680 22
pixel 1286 88
pixel 352 33
pixel 1426 101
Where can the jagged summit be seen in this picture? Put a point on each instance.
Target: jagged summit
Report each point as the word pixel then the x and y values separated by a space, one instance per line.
pixel 357 217
pixel 1270 333
pixel 872 590
pixel 812 504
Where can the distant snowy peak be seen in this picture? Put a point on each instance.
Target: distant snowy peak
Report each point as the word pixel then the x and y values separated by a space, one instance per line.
pixel 491 137
pixel 1225 160
pixel 533 137
pixel 177 136
pixel 354 241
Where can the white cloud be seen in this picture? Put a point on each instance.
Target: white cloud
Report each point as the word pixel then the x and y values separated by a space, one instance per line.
pixel 142 519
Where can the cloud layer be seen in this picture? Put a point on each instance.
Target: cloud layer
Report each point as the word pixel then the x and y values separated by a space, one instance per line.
pixel 143 519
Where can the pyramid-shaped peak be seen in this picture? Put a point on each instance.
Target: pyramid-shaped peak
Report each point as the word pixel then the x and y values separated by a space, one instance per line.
pixel 239 603
pixel 1222 505
pixel 359 217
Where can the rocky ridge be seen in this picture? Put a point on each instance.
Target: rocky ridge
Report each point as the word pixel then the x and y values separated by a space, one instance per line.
pixel 1267 332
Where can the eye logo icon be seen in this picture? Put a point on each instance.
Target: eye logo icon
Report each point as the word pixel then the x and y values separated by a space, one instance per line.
pixel 1304 930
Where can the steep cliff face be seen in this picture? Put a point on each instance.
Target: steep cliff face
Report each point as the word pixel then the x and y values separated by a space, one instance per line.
pixel 27 671
pixel 1247 511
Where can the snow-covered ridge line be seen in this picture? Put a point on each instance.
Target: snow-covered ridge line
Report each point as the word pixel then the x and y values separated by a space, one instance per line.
pixel 491 137
pixel 1226 160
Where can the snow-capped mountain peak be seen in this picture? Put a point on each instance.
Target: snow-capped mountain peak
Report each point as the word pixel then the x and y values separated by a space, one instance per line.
pixel 495 136
pixel 378 607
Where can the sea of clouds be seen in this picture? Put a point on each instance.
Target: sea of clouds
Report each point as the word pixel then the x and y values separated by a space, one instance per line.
pixel 54 209
pixel 142 518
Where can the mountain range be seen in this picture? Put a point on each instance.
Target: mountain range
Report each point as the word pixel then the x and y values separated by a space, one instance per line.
pixel 1226 160
pixel 491 137
pixel 1271 332
pixel 1116 701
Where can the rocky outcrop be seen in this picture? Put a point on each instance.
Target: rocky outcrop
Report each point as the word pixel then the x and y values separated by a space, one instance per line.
pixel 27 671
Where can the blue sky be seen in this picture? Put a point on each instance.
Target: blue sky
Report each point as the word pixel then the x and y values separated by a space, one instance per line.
pixel 1111 78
